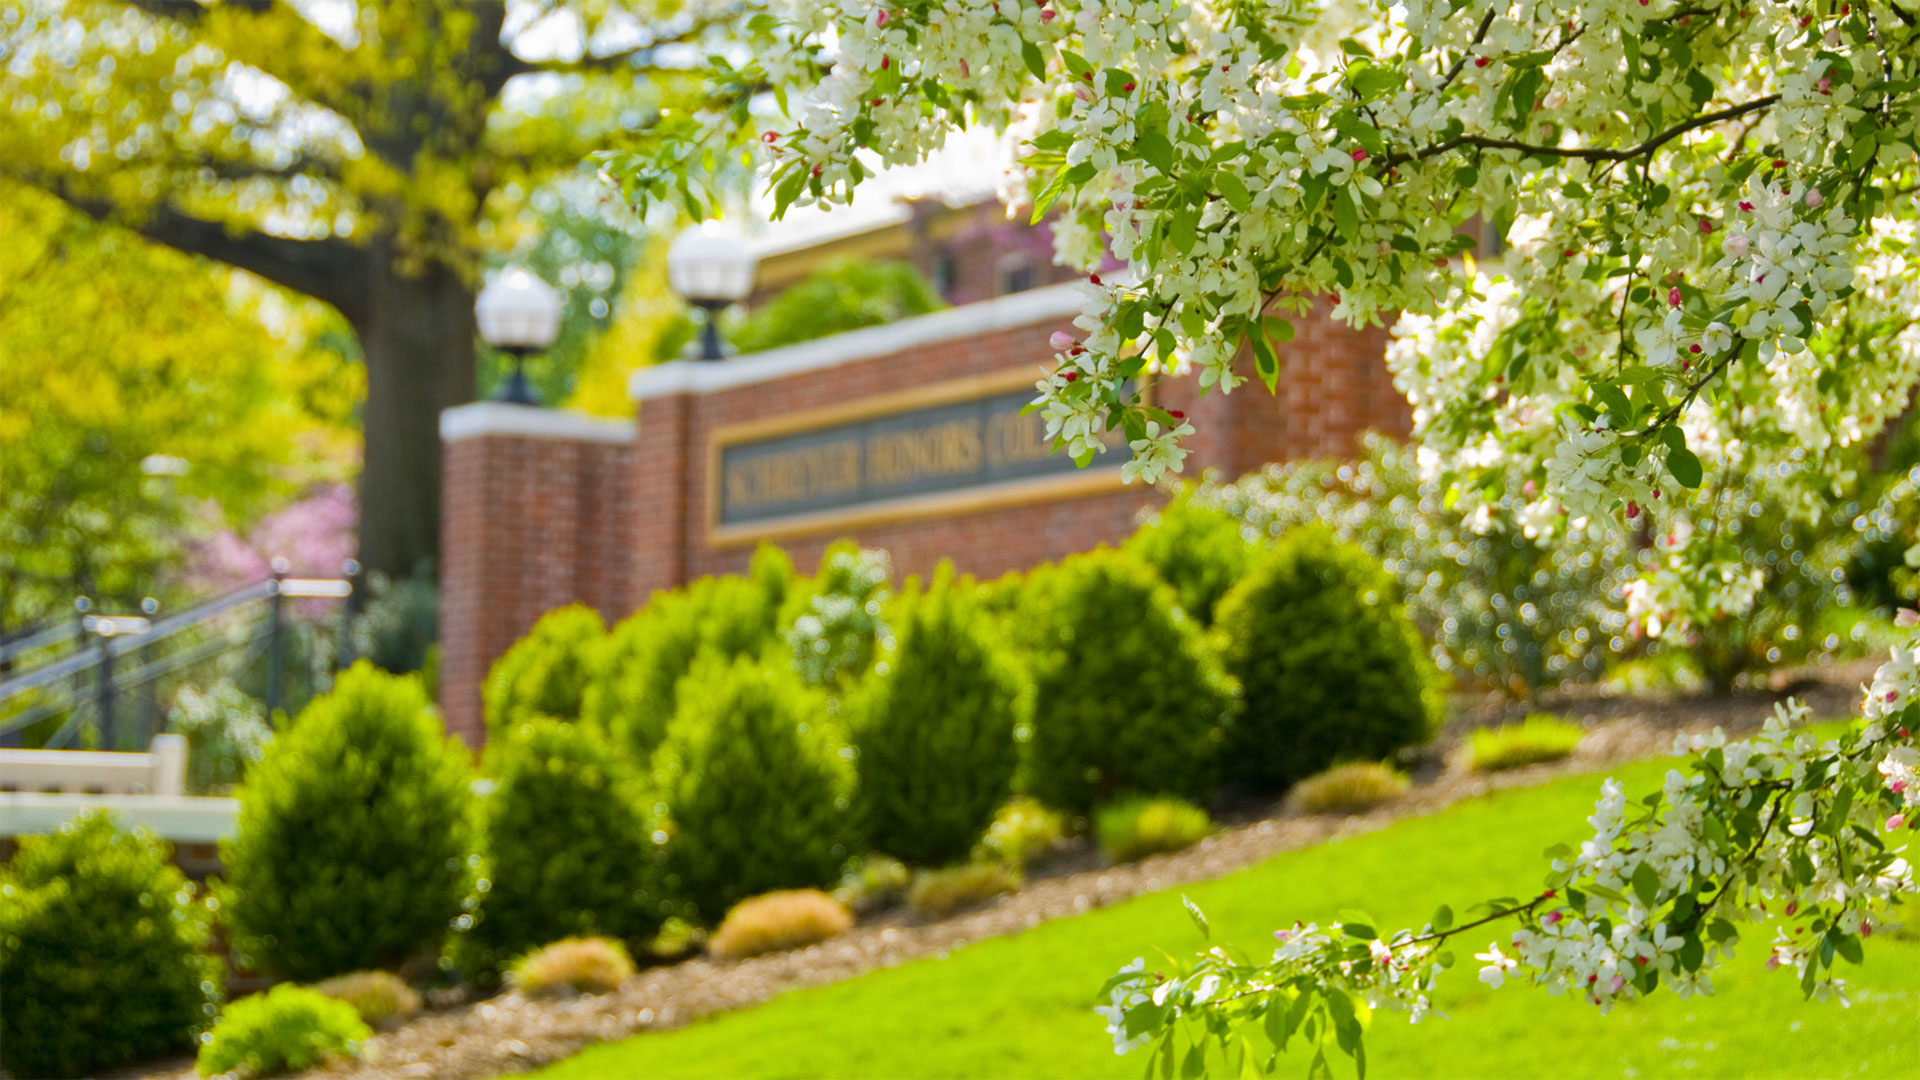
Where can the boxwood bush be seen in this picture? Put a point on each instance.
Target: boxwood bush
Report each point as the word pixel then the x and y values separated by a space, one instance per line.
pixel 102 952
pixel 1330 667
pixel 547 672
pixel 934 729
pixel 567 848
pixel 1127 697
pixel 351 846
pixel 834 624
pixel 757 788
pixel 648 654
pixel 1196 548
pixel 287 1029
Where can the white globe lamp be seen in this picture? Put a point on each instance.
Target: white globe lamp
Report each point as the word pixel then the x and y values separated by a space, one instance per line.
pixel 518 314
pixel 711 266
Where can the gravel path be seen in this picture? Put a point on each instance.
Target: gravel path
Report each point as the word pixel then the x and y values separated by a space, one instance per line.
pixel 509 1033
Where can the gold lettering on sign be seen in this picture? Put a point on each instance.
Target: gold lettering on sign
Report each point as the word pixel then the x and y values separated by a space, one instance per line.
pixel 794 476
pixel 1013 439
pixel 904 457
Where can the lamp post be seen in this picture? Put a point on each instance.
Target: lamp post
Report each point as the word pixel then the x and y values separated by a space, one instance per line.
pixel 518 314
pixel 712 267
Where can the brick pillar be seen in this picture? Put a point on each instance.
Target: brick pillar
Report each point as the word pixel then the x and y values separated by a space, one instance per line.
pixel 663 469
pixel 535 516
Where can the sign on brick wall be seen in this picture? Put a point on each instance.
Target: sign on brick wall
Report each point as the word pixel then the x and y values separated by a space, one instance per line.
pixel 939 449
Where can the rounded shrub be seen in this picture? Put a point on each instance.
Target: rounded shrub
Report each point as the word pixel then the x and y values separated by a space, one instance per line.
pixel 635 695
pixel 756 787
pixel 1197 549
pixel 103 955
pixel 934 729
pixel 547 672
pixel 1127 697
pixel 287 1029
pixel 1330 667
pixel 350 850
pixel 1138 826
pixel 567 847
pixel 834 624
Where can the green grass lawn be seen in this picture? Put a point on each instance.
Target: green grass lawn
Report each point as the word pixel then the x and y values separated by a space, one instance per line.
pixel 1021 1006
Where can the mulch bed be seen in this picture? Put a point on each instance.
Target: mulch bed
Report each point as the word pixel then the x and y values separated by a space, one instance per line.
pixel 510 1033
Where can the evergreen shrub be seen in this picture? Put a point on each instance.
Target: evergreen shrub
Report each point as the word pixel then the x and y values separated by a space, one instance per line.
pixel 287 1029
pixel 567 847
pixel 1330 667
pixel 647 655
pixel 352 844
pixel 1127 696
pixel 1196 548
pixel 547 672
pixel 757 787
pixel 934 728
pixel 835 623
pixel 103 955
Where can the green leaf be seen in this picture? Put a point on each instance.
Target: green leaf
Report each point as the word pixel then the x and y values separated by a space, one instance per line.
pixel 1234 191
pixel 1685 467
pixel 1346 216
pixel 1442 917
pixel 1199 917
pixel 1155 150
pixel 1646 884
pixel 1846 945
pixel 1036 62
pixel 1280 330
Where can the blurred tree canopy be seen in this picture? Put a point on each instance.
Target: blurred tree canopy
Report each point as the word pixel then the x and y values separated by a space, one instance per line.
pixel 144 398
pixel 363 154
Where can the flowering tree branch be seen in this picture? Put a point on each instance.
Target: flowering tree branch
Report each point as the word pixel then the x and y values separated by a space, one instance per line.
pixel 1783 831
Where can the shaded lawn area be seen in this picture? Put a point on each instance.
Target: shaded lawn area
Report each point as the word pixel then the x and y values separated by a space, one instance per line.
pixel 1021 1006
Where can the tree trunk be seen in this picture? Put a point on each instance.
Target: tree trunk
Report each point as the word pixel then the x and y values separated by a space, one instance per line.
pixel 416 332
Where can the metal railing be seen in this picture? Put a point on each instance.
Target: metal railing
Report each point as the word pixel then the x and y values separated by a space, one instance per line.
pixel 85 672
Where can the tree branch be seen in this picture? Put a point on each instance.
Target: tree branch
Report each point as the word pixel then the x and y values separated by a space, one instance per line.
pixel 330 270
pixel 1595 154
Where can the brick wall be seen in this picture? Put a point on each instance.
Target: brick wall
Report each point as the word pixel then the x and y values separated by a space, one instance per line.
pixel 543 509
pixel 538 511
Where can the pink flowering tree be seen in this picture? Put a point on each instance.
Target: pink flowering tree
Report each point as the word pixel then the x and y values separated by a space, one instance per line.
pixel 312 537
pixel 1709 279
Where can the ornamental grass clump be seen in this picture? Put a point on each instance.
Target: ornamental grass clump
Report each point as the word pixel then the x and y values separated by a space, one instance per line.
pixel 757 788
pixel 382 999
pixel 1127 697
pixel 103 952
pixel 1198 549
pixel 1022 831
pixel 547 672
pixel 1348 789
pixel 350 849
pixel 1136 827
pixel 287 1029
pixel 577 965
pixel 934 728
pixel 568 848
pixel 940 893
pixel 1540 737
pixel 646 656
pixel 873 882
pixel 1330 667
pixel 777 921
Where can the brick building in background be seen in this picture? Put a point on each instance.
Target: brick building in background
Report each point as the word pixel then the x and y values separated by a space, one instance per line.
pixel 905 437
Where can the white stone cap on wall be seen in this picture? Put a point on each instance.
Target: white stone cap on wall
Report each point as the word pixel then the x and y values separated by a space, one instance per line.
pixel 530 422
pixel 967 321
pixel 185 819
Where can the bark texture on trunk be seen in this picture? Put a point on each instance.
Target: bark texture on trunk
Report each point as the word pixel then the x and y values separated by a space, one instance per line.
pixel 416 332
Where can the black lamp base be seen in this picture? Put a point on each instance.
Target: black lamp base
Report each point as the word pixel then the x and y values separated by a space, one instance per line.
pixel 516 390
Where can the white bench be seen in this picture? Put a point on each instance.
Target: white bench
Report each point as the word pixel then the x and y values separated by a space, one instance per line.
pixel 162 770
pixel 42 789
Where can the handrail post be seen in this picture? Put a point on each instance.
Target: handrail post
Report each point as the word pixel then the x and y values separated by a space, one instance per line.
pixel 276 606
pixel 104 692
